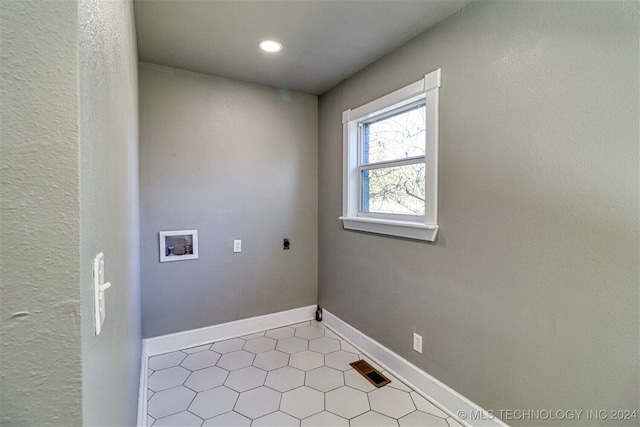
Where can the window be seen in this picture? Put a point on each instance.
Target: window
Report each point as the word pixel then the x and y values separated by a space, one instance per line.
pixel 391 162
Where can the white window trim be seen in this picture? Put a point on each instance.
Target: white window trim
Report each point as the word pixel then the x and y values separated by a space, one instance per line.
pixel 428 90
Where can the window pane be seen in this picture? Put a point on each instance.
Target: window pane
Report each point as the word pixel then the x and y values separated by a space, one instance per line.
pixel 395 137
pixel 398 190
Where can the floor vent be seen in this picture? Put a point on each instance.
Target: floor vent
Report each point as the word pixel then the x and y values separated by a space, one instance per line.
pixel 367 371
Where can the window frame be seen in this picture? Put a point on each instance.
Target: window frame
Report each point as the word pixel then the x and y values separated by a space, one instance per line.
pixel 401 225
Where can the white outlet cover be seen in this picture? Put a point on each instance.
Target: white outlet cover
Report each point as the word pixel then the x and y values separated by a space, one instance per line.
pixel 417 343
pixel 237 245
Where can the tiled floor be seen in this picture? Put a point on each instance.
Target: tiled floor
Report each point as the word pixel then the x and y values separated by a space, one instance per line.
pixel 297 375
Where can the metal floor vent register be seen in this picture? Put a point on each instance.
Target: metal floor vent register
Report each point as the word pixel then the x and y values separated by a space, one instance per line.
pixel 367 371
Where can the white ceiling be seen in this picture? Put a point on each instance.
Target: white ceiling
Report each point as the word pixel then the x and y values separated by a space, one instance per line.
pixel 324 41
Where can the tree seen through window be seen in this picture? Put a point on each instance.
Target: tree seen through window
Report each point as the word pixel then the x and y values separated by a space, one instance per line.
pixel 393 163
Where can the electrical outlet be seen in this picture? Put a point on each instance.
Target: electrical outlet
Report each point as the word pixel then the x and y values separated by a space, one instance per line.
pixel 237 245
pixel 417 343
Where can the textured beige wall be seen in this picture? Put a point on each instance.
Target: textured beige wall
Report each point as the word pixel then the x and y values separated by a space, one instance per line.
pixel 530 297
pixel 69 190
pixel 39 207
pixel 232 160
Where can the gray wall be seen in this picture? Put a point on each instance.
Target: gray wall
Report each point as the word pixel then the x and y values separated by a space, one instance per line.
pixel 529 298
pixel 109 210
pixel 232 160
pixel 40 336
pixel 69 129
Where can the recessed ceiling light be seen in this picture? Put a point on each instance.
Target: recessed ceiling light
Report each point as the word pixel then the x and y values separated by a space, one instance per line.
pixel 270 46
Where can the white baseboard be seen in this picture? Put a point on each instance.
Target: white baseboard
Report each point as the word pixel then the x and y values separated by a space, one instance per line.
pixel 172 342
pixel 194 337
pixel 450 400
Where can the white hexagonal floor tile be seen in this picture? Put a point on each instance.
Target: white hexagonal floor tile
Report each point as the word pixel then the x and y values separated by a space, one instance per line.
pixel 228 419
pixel 453 422
pixel 373 419
pixel 168 378
pixel 258 402
pixel 421 419
pixel 196 349
pixel 292 345
pixel 167 360
pixel 260 345
pixel 207 378
pixel 245 379
pixel 347 402
pixel 324 379
pixel 348 347
pixel 325 419
pixel 302 402
pixel 184 418
pixel 324 345
pixel 296 375
pixel 396 383
pixel 236 360
pixel 299 325
pixel 340 360
pixel 306 360
pixel 424 405
pixel 309 332
pixel 330 334
pixel 252 336
pixel 228 346
pixel 213 402
pixel 352 378
pixel 169 402
pixel 276 419
pixel 285 379
pixel 392 402
pixel 200 360
pixel 271 360
pixel 280 333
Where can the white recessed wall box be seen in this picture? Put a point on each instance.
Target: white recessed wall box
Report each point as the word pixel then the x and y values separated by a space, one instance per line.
pixel 178 245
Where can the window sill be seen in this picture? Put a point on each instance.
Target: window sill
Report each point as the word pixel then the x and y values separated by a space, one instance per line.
pixel 406 229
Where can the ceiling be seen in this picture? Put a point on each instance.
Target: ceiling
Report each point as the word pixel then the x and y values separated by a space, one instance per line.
pixel 324 41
